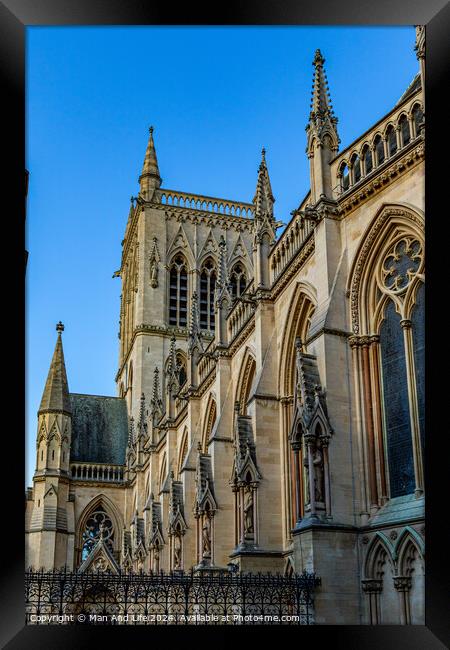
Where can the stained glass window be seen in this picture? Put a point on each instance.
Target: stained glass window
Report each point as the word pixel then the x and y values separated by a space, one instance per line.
pixel 98 525
pixel 396 404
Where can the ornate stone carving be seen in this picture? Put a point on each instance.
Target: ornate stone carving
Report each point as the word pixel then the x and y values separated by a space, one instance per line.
pixel 154 264
pixel 365 252
pixel 372 586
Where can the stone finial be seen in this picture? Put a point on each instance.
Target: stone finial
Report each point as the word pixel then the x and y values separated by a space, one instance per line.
pixel 59 327
pixel 318 58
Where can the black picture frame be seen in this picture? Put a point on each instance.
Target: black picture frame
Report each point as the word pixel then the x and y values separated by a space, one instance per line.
pixel 15 16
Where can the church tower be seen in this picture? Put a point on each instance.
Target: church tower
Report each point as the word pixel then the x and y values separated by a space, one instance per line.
pixel 49 544
pixel 143 299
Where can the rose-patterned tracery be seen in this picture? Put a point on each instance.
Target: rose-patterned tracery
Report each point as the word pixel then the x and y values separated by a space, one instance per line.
pixel 98 525
pixel 401 264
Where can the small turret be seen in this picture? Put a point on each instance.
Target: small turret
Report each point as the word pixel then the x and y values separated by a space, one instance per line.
pixel 265 225
pixel 322 136
pixel 54 416
pixel 150 179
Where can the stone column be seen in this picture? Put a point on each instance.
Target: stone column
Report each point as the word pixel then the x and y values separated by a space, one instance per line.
pixel 378 411
pixel 312 497
pixel 369 422
pixel 255 514
pixel 298 477
pixel 397 135
pixel 242 523
pixel 403 584
pixel 354 344
pixel 326 476
pixel 414 410
pixel 373 588
pixel 386 148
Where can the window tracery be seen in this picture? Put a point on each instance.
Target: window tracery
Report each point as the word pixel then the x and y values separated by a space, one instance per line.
pixel 207 289
pixel 98 526
pixel 238 280
pixel 178 288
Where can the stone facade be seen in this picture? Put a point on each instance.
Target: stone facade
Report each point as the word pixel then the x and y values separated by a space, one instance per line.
pixel 251 424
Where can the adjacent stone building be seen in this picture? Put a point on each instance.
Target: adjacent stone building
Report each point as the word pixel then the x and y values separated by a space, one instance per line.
pixel 270 390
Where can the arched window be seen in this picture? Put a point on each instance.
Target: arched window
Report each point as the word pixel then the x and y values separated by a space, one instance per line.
pixel 417 114
pixel 345 177
pixel 379 150
pixel 356 166
pixel 367 157
pixel 207 287
pixel 178 292
pixel 238 280
pixel 404 130
pixel 389 349
pixel 98 525
pixel 396 404
pixel 391 140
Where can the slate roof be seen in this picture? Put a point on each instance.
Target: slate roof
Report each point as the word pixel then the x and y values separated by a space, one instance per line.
pixel 412 88
pixel 99 429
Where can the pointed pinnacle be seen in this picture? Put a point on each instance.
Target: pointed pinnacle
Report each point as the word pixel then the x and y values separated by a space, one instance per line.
pixel 318 58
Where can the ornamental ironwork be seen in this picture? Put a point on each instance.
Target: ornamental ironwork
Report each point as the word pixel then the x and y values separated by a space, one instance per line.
pixel 176 598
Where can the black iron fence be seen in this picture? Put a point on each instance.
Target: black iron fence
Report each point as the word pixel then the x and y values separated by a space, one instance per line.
pixel 178 598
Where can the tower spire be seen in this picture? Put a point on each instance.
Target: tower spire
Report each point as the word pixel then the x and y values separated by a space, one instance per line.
pixel 150 178
pixel 55 397
pixel 322 119
pixel 263 199
pixel 322 136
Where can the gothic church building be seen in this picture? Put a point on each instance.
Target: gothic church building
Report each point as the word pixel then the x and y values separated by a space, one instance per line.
pixel 270 389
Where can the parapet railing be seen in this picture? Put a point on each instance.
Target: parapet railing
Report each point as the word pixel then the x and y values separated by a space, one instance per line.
pixel 205 366
pixel 97 472
pixel 241 312
pixel 204 203
pixel 289 244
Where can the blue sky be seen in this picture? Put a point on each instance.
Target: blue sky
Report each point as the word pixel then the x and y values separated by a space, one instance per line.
pixel 215 96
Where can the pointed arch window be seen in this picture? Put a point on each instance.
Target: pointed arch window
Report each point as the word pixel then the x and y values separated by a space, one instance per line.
pixel 345 177
pixel 396 404
pixel 356 166
pixel 404 130
pixel 417 115
pixel 98 526
pixel 390 353
pixel 367 157
pixel 207 289
pixel 238 280
pixel 178 289
pixel 391 140
pixel 379 149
